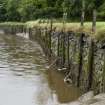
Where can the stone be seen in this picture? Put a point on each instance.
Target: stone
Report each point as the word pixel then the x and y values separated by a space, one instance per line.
pixel 75 103
pixel 100 96
pixel 86 97
pixel 99 103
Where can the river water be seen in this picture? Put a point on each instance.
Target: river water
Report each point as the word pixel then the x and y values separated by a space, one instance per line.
pixel 24 79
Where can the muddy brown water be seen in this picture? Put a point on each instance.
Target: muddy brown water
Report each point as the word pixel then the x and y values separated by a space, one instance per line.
pixel 24 79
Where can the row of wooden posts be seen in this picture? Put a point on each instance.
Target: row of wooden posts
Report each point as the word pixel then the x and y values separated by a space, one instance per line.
pixel 46 42
pixel 61 56
pixel 63 38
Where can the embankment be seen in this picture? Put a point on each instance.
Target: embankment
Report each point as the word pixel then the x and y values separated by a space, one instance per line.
pixel 78 55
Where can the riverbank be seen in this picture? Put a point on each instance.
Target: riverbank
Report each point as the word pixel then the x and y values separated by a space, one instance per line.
pixel 75 27
pixel 75 53
pixel 24 79
pixel 90 99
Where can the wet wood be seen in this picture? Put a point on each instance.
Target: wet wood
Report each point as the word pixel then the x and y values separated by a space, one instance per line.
pixel 80 59
pixel 91 60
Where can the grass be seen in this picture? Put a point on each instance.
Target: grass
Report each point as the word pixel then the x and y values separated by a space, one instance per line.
pixel 75 27
pixel 12 24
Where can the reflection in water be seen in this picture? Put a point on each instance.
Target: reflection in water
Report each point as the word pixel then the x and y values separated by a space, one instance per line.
pixel 24 79
pixel 65 93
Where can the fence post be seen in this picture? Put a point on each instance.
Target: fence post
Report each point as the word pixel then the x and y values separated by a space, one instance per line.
pixel 63 38
pixel 68 50
pixel 91 59
pixel 46 40
pixel 58 45
pixel 63 49
pixel 80 59
pixel 58 49
pixel 104 73
pixel 50 33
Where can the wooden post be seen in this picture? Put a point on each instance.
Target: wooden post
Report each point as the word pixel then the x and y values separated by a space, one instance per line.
pixel 91 59
pixel 104 73
pixel 51 24
pixel 63 49
pixel 63 38
pixel 46 36
pixel 80 59
pixel 94 21
pixel 83 13
pixel 45 41
pixel 29 31
pixel 58 46
pixel 68 50
pixel 58 49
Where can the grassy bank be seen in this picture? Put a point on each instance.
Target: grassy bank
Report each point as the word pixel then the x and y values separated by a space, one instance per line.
pixel 100 27
pixel 12 24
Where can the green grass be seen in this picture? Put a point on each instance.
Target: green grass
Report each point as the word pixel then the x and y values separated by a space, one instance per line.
pixel 12 24
pixel 75 27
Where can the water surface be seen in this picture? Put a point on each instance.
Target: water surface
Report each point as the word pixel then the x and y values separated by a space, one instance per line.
pixel 24 79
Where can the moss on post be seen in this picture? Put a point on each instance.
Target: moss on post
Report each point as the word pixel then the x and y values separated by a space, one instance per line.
pixel 103 76
pixel 91 60
pixel 63 49
pixel 68 55
pixel 80 59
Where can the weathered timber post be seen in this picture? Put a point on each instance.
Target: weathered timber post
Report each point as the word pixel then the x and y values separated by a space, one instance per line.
pixel 63 38
pixel 58 49
pixel 103 71
pixel 103 76
pixel 94 21
pixel 50 33
pixel 80 59
pixel 91 53
pixel 47 41
pixel 63 49
pixel 83 13
pixel 45 36
pixel 40 35
pixel 68 55
pixel 91 61
pixel 29 32
pixel 58 46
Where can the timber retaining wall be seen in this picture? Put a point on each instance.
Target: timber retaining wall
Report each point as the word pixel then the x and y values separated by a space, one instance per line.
pixel 82 56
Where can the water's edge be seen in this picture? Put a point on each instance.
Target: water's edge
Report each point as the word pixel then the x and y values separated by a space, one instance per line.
pixel 91 55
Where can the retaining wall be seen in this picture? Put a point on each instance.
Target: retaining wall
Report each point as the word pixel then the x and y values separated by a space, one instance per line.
pixel 82 56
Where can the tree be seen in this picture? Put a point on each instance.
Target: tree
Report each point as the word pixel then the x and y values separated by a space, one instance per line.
pixel 3 10
pixel 24 10
pixel 66 5
pixel 30 9
pixel 101 11
pixel 11 8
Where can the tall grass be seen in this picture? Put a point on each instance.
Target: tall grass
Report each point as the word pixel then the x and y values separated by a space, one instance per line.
pixel 75 26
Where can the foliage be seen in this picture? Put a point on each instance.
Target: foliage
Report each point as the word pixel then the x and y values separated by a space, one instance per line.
pixel 12 13
pixel 3 10
pixel 23 10
pixel 100 32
